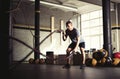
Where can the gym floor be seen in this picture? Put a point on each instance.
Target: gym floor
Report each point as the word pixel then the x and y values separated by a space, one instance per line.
pixel 46 71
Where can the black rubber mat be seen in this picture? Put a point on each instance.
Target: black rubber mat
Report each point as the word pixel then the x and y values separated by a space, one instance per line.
pixel 38 71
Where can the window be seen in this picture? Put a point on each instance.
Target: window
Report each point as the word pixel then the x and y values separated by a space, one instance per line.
pixel 92 29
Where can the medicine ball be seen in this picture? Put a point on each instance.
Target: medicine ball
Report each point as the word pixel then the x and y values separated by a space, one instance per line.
pixel 88 61
pixel 31 60
pixel 116 61
pixel 99 54
pixel 104 52
pixel 37 61
pixel 116 55
pixel 94 62
pixel 42 61
pixel 103 60
pixel 91 62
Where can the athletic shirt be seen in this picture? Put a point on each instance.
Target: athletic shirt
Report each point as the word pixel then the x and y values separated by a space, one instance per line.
pixel 73 34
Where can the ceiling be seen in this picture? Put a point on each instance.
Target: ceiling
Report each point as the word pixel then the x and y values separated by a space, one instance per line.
pixel 77 6
pixel 73 5
pixel 118 1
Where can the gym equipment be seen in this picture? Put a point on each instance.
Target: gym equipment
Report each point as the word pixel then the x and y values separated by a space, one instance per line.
pixel 108 61
pixel 116 61
pixel 42 61
pixel 116 55
pixel 61 60
pixel 50 60
pixel 77 58
pixel 99 63
pixel 87 61
pixel 94 62
pixel 91 62
pixel 99 54
pixel 31 60
pixel 37 61
pixel 104 52
pixel 105 61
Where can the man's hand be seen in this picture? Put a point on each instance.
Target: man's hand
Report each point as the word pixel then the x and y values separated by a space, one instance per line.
pixel 75 50
pixel 59 31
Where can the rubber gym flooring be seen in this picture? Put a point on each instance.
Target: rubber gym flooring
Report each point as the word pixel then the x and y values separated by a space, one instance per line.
pixel 45 71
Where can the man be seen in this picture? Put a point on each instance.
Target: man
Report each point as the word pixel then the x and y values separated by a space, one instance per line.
pixel 76 41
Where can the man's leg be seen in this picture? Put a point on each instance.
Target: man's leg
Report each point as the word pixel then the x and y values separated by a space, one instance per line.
pixel 82 47
pixel 68 54
pixel 83 55
pixel 68 60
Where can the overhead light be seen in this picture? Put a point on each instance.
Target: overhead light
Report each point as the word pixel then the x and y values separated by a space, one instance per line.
pixel 58 6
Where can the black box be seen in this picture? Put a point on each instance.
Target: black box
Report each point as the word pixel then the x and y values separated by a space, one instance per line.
pixel 77 59
pixel 61 59
pixel 50 60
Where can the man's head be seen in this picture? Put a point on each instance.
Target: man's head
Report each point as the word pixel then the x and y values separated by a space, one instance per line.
pixel 69 25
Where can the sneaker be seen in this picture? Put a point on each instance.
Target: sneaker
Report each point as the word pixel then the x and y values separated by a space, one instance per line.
pixel 67 66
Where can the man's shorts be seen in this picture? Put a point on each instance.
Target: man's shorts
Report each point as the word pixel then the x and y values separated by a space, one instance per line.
pixel 73 44
pixel 82 44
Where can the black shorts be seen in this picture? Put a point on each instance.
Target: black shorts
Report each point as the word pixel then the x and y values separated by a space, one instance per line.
pixel 82 44
pixel 73 44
